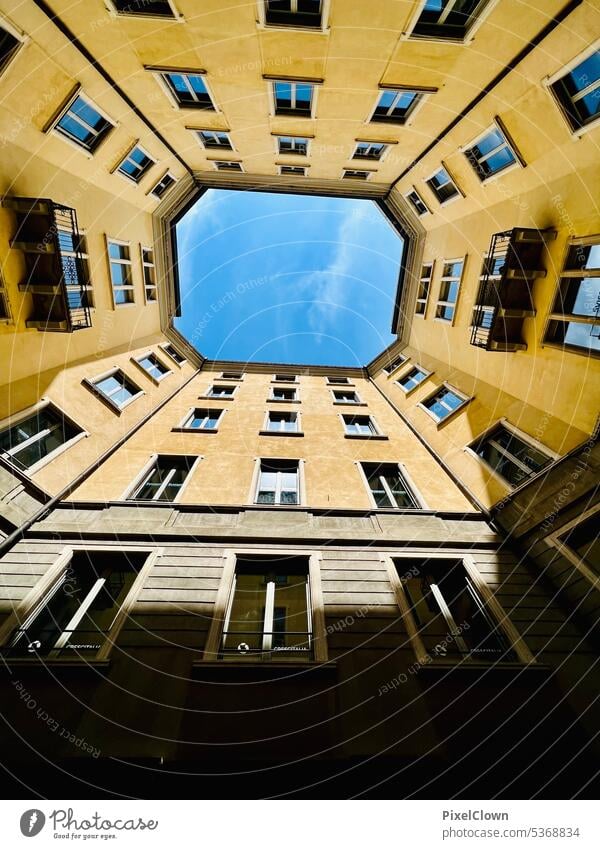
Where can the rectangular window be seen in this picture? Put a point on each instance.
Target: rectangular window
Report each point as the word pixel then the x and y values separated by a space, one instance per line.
pixel 164 480
pixel 269 612
pixel 4 307
pixel 412 379
pixel 575 318
pixel 173 353
pixel 79 613
pixel 443 186
pixel 282 422
pixel 278 482
pixel 417 202
pixel 214 139
pixel 218 391
pixel 82 123
pixel 338 381
pixel 449 612
pixel 187 90
pixel 424 288
pixel 285 378
pixel 120 272
pixel 153 367
pixel 149 273
pixel 360 426
pixel 232 375
pixel 281 393
pixel 346 396
pixel 144 8
pixel 449 288
pixel 369 150
pixel 394 105
pixel 136 164
pixel 491 153
pixel 447 20
pixel 294 13
pixel 76 269
pixel 353 174
pixel 583 543
pixel 36 436
pixel 293 170
pixel 387 486
pixel 295 145
pixel 9 46
pixel 203 418
pixel 117 388
pixel 395 363
pixel 163 185
pixel 510 456
pixel 578 92
pixel 443 403
pixel 293 98
pixel 222 165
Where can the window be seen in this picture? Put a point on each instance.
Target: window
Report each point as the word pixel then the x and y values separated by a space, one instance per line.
pixel 79 613
pixel 117 388
pixel 293 170
pixel 285 378
pixel 578 92
pixel 510 455
pixel 221 165
pixel 417 203
pixel 395 105
pixel 149 273
pixel 293 98
pixel 491 153
pixel 153 367
pixel 412 379
pixel 135 164
pixel 443 403
pixel 575 318
pixel 424 288
pixel 352 174
pixel 450 612
pixel 369 150
pixel 9 46
pixel 281 393
pixel 215 139
pixel 82 123
pixel 282 422
pixel 163 185
pixel 360 426
pixel 449 288
pixel 278 482
pixel 164 480
pixel 580 543
pixel 394 364
pixel 232 375
pixel 443 186
pixel 149 8
pixel 75 267
pixel 448 20
pixel 346 396
pixel 296 145
pixel 268 616
pixel 294 13
pixel 120 272
pixel 173 353
pixel 217 391
pixel 36 436
pixel 388 486
pixel 338 381
pixel 187 90
pixel 4 306
pixel 203 418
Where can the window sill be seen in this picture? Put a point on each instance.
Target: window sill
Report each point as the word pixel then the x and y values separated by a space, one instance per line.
pixel 216 397
pixel 194 430
pixel 350 404
pixel 441 668
pixel 280 433
pixel 379 436
pixel 11 663
pixel 283 401
pixel 257 671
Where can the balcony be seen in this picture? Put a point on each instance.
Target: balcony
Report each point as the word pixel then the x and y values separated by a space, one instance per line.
pixel 55 272
pixel 505 299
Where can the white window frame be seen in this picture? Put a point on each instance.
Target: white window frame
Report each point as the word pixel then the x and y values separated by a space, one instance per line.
pixel 466 399
pixel 350 174
pixel 20 36
pixel 451 180
pixel 422 279
pixel 114 12
pixel 167 190
pixel 336 401
pixel 52 126
pixel 301 488
pixel 92 384
pixel 151 265
pixel 266 431
pixel 165 347
pixel 324 28
pixel 184 72
pixel 135 146
pixel 29 412
pixel 549 81
pixel 394 365
pixel 414 210
pixel 147 471
pixel 294 389
pixel 420 501
pixel 412 389
pixel 450 279
pixel 198 133
pixel 524 437
pixel 39 595
pixel 223 376
pixel 494 126
pixel 191 413
pixel 129 287
pixel 331 381
pixel 468 36
pixel 272 81
pixel 421 97
pixel 5 302
pixel 377 433
pixel 277 140
pixel 217 162
pixel 298 170
pixel 386 148
pixel 280 378
pixel 233 387
pixel 555 540
pixel 138 362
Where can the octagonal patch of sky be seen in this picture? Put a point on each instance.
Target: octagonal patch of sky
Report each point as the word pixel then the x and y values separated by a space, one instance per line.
pixel 287 278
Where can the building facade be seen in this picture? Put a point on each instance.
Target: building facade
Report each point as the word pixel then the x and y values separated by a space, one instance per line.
pixel 265 579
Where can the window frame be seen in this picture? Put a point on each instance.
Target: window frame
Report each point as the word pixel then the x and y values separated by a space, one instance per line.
pixel 411 203
pixel 428 182
pixel 424 279
pixel 152 191
pixel 323 28
pixel 549 82
pixel 394 364
pixel 191 414
pixel 466 399
pixel 229 397
pixel 266 431
pixel 21 37
pixel 294 82
pixel 128 287
pixel 277 137
pixel 148 354
pixel 225 375
pixel 486 8
pixel 29 412
pixel 403 472
pixel 255 485
pixel 287 170
pixel 421 93
pixel 445 278
pixel 160 74
pixel 92 385
pixel 496 125
pixel 198 133
pixel 386 145
pixel 165 347
pixel 223 165
pixel 52 126
pixel 352 174
pixel 150 265
pixel 175 16
pixel 412 389
pixel 130 179
pixel 295 389
pixel 333 380
pixel 350 388
pixel 144 475
pixel 563 548
pixel 377 433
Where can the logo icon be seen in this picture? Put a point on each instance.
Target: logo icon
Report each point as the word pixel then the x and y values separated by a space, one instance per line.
pixel 32 822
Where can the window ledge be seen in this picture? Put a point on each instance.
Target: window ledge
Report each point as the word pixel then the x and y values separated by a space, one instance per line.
pixel 283 401
pixel 257 671
pixel 379 436
pixel 280 433
pixel 350 404
pixel 41 663
pixel 216 397
pixel 480 667
pixel 194 430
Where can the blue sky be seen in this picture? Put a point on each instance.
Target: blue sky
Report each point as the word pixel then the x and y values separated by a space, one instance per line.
pixel 287 278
